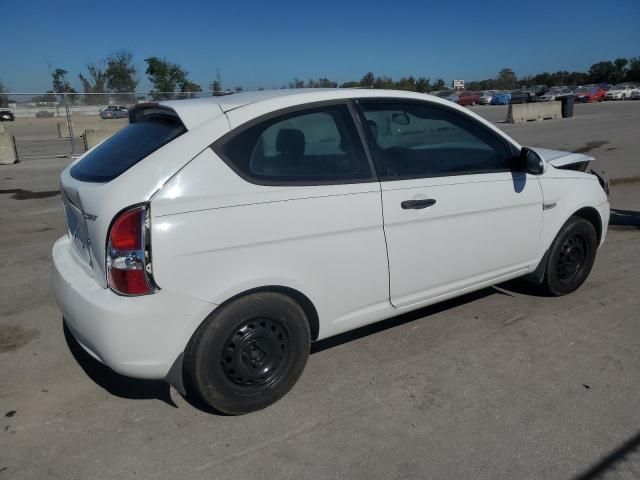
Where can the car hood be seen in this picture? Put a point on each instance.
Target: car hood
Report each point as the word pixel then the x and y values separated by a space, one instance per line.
pixel 558 158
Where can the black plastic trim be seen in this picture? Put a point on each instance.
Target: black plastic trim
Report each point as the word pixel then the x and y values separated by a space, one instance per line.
pixel 363 139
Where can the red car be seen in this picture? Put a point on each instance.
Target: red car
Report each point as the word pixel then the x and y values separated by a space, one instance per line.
pixel 468 98
pixel 590 93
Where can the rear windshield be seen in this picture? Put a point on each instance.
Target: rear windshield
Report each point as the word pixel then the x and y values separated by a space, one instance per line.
pixel 125 148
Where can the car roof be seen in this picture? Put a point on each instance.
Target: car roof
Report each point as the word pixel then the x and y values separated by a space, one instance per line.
pixel 195 111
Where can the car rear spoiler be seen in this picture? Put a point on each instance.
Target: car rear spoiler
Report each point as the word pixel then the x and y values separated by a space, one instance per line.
pixel 149 110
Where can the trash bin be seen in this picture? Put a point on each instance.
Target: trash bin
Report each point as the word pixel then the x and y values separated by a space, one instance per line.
pixel 567 106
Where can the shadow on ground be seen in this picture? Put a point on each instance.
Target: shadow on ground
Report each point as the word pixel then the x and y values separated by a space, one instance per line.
pixel 367 330
pixel 114 383
pixel 619 460
pixel 137 389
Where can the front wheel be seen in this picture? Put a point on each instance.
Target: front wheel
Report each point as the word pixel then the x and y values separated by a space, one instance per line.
pixel 248 354
pixel 571 257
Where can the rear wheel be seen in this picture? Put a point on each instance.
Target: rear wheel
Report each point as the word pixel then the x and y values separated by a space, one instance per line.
pixel 571 257
pixel 248 354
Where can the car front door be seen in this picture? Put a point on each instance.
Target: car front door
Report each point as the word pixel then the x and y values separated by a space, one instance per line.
pixel 455 215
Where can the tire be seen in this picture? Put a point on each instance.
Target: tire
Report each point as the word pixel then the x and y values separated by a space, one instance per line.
pixel 571 257
pixel 248 354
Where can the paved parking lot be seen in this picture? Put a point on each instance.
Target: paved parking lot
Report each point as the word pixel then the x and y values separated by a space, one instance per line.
pixel 499 384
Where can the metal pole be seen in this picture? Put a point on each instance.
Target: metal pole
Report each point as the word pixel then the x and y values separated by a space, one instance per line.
pixel 69 126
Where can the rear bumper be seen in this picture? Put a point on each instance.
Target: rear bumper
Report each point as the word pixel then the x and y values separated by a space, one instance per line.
pixel 139 337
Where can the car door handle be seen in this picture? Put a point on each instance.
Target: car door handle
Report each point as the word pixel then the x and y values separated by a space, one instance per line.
pixel 417 204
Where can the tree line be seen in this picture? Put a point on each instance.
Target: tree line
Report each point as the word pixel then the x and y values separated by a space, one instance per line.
pixel 616 71
pixel 117 75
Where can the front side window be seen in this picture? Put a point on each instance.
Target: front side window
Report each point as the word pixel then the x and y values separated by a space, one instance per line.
pixel 411 140
pixel 319 145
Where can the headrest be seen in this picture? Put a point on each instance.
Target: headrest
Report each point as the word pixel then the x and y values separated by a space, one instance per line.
pixel 373 126
pixel 290 142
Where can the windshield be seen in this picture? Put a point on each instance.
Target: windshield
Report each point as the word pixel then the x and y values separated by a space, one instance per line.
pixel 584 89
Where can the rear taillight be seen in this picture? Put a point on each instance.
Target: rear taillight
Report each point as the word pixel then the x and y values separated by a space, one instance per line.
pixel 128 253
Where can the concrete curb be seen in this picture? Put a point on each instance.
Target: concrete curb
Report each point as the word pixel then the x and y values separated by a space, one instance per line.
pixel 528 112
pixel 7 150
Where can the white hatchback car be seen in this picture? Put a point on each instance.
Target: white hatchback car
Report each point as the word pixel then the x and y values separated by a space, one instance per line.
pixel 211 240
pixel 622 91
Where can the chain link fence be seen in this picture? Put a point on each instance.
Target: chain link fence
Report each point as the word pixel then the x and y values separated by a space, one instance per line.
pixel 45 125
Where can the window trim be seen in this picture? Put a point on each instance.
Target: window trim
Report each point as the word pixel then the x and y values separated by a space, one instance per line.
pixel 359 142
pixel 358 102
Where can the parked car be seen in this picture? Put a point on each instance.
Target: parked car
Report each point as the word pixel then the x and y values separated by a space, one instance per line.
pixel 536 92
pixel 454 97
pixel 501 98
pixel 555 93
pixel 589 93
pixel 635 95
pixel 530 94
pixel 485 97
pixel 6 116
pixel 467 98
pixel 519 96
pixel 621 91
pixel 211 240
pixel 114 111
pixel 450 95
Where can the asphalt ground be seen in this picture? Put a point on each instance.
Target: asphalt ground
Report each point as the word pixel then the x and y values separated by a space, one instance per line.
pixel 499 384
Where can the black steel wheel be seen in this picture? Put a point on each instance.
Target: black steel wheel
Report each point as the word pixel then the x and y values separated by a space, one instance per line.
pixel 571 257
pixel 248 353
pixel 255 351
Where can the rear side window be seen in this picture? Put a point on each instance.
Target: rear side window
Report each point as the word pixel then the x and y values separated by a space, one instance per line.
pixel 127 147
pixel 305 147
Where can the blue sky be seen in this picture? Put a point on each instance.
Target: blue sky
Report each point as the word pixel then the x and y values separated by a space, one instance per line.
pixel 263 43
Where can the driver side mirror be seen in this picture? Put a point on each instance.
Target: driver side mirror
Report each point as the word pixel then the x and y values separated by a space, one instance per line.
pixel 528 161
